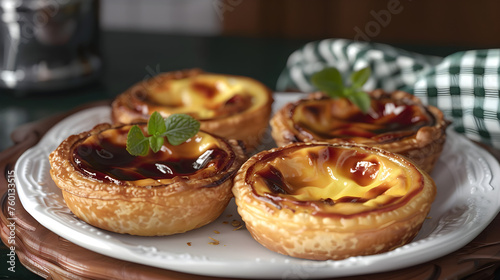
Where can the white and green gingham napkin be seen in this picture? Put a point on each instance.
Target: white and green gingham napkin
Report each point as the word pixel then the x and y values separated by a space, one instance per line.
pixel 464 85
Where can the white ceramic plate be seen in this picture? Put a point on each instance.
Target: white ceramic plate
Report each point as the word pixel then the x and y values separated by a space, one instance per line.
pixel 468 198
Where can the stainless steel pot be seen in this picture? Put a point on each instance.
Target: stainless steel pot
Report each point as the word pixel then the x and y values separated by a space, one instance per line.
pixel 49 44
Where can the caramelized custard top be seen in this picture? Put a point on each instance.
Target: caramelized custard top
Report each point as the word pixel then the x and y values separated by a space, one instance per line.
pixel 104 157
pixel 388 120
pixel 204 96
pixel 333 180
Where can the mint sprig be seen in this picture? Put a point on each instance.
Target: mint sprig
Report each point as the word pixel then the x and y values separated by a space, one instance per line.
pixel 177 128
pixel 330 81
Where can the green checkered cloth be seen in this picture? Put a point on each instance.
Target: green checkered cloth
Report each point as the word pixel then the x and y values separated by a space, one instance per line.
pixel 464 85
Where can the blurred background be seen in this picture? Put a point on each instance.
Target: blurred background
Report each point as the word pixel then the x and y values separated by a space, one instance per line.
pixel 441 23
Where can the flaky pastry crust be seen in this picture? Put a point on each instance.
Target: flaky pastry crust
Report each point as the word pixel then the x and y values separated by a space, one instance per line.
pixel 286 209
pixel 422 144
pixel 146 207
pixel 233 107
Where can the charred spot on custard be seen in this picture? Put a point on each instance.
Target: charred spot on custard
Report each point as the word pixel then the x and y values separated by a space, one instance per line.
pixel 328 201
pixel 351 199
pixel 209 91
pixel 313 157
pixel 314 111
pixel 236 104
pixel 274 180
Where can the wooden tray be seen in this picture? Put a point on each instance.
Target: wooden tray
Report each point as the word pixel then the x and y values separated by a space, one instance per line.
pixel 53 257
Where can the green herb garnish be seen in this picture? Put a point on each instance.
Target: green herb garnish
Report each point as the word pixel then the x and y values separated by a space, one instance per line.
pixel 177 128
pixel 329 81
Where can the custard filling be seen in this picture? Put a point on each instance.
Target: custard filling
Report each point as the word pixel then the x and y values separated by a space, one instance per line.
pixel 104 157
pixel 388 120
pixel 204 96
pixel 328 180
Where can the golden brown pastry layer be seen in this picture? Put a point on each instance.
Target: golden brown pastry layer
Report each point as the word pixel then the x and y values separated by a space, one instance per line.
pixel 224 104
pixel 397 122
pixel 175 190
pixel 322 201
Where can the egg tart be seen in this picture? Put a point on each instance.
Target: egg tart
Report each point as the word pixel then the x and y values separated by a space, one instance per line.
pixel 233 107
pixel 324 201
pixel 397 122
pixel 177 189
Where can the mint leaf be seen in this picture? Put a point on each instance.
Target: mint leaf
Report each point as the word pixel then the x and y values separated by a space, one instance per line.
pixel 329 80
pixel 360 77
pixel 156 142
pixel 360 99
pixel 156 125
pixel 137 143
pixel 180 127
